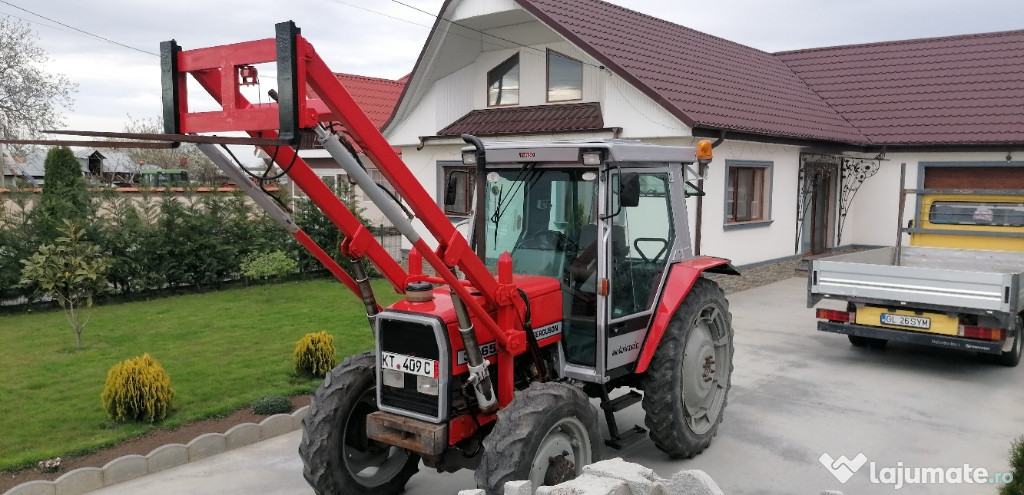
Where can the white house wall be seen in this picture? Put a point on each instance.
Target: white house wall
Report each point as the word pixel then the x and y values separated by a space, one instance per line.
pixel 757 242
pixel 475 8
pixel 872 220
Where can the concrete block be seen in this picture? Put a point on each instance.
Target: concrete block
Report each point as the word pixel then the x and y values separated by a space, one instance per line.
pixel 694 482
pixel 641 480
pixel 167 456
pixel 518 488
pixel 241 435
pixel 587 484
pixel 36 487
pixel 298 415
pixel 206 445
pixel 475 491
pixel 79 481
pixel 275 425
pixel 125 468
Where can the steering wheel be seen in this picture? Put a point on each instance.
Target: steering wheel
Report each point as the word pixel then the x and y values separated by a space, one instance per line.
pixel 657 257
pixel 551 240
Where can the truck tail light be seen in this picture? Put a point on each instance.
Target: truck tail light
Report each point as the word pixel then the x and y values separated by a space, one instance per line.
pixel 984 333
pixel 834 315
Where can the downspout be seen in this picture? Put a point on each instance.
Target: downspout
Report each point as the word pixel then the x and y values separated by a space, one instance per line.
pixel 702 170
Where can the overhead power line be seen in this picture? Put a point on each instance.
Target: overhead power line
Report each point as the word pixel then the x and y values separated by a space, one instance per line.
pixel 101 38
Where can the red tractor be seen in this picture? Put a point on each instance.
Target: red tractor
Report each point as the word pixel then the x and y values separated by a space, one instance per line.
pixel 578 282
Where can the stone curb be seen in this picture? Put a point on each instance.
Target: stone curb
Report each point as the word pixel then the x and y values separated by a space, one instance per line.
pixel 129 467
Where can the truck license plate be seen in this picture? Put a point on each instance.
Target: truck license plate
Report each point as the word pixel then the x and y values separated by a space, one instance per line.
pixel 906 321
pixel 409 364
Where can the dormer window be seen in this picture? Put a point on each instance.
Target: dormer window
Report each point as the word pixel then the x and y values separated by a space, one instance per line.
pixel 503 83
pixel 565 77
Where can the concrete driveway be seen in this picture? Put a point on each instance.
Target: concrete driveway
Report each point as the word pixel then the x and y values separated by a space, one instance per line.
pixel 796 394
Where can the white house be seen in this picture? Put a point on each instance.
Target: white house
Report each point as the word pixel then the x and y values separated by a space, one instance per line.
pixel 809 143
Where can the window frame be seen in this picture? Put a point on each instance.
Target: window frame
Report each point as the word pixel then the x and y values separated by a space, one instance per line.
pixel 766 169
pixel 547 77
pixel 506 64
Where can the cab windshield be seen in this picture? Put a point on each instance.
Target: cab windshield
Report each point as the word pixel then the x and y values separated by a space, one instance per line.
pixel 539 216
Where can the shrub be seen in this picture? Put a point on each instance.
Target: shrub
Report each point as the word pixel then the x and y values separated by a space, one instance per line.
pixel 70 270
pixel 315 354
pixel 137 389
pixel 271 404
pixel 64 195
pixel 1016 485
pixel 268 265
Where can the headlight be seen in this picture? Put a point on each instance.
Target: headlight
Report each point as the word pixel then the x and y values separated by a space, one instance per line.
pixel 426 385
pixel 393 378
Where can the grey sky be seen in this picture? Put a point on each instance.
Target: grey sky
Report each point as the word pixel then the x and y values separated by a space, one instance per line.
pixel 382 38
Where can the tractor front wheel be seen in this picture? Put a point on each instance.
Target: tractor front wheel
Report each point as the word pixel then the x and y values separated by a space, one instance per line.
pixel 687 383
pixel 546 435
pixel 337 456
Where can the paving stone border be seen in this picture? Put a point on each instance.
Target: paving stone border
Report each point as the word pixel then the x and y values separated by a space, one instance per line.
pixel 129 467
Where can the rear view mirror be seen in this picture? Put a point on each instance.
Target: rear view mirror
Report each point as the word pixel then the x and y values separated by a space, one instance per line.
pixel 455 192
pixel 629 190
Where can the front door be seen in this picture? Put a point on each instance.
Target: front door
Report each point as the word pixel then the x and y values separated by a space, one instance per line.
pixel 818 175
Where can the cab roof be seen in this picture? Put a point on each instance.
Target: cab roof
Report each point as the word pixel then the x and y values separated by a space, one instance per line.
pixel 612 150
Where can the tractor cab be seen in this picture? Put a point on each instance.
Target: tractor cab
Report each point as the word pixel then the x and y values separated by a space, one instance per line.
pixel 605 218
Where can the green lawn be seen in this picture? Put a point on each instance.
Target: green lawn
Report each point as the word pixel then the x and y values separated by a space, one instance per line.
pixel 221 350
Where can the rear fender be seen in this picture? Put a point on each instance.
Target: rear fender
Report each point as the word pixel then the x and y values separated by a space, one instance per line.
pixel 680 280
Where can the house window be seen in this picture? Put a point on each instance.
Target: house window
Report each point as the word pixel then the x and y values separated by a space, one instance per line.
pixel 503 83
pixel 380 180
pixel 748 189
pixel 565 78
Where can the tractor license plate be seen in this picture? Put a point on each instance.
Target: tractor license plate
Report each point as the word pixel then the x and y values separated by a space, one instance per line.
pixel 409 364
pixel 921 322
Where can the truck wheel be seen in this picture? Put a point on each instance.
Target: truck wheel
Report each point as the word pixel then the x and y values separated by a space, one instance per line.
pixel 687 384
pixel 546 435
pixel 337 456
pixel 1011 357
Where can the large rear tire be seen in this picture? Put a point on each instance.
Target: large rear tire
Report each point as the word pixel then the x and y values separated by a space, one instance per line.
pixel 546 435
pixel 337 456
pixel 687 384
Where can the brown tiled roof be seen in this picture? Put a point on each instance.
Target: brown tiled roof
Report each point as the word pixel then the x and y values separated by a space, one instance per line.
pixel 953 90
pixel 705 81
pixel 566 117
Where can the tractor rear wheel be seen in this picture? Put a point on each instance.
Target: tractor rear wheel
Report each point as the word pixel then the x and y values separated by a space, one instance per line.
pixel 337 456
pixel 687 383
pixel 546 435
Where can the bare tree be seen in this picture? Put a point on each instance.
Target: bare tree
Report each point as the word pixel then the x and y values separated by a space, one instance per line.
pixel 30 98
pixel 187 156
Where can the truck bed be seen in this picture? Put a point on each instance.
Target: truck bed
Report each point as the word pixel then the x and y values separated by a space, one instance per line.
pixel 985 282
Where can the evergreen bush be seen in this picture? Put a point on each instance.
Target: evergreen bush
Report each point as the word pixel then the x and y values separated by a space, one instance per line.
pixel 1016 485
pixel 271 404
pixel 137 389
pixel 315 354
pixel 266 266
